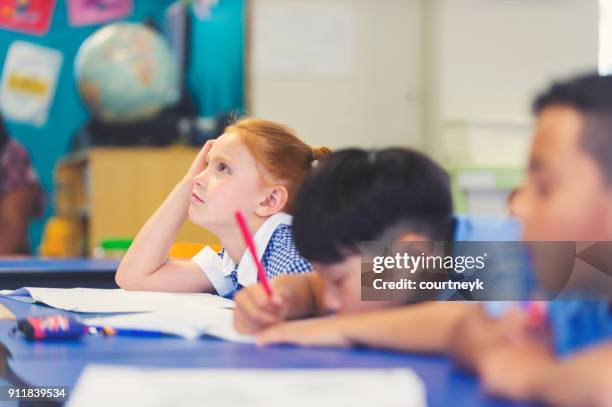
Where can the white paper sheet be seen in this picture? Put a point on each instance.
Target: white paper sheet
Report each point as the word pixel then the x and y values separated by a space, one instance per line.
pixel 97 300
pixel 248 387
pixel 190 323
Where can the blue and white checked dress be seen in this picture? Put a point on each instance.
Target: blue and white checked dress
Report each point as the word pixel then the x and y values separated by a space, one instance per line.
pixel 279 257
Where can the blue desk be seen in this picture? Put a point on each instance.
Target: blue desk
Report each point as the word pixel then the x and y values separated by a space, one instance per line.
pixel 60 363
pixel 65 273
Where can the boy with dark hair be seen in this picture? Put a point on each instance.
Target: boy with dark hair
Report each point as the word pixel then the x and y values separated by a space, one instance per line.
pixel 351 197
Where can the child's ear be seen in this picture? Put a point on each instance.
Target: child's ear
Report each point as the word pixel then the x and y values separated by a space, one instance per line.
pixel 417 241
pixel 274 201
pixel 413 237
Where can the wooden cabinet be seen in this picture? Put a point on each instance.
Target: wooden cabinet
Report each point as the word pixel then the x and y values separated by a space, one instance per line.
pixel 111 192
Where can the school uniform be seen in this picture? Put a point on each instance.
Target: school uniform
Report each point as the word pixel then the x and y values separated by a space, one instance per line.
pixel 486 229
pixel 507 275
pixel 276 251
pixel 577 324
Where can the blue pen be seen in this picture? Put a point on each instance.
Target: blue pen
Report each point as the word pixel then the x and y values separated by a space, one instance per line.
pixel 109 331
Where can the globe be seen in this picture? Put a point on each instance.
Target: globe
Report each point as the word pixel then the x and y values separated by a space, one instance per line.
pixel 126 72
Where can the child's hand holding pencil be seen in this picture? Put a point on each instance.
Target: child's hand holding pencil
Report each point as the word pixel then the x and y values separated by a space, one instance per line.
pixel 256 310
pixel 259 306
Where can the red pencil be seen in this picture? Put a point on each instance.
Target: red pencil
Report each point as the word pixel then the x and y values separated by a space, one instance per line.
pixel 248 239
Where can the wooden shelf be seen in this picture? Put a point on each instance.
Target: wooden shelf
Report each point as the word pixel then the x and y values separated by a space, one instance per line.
pixel 111 192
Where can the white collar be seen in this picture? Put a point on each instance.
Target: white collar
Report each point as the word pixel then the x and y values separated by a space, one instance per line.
pixel 247 270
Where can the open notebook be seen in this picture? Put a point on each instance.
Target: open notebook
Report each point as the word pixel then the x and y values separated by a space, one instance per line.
pixel 97 300
pixel 186 315
pixel 247 387
pixel 188 322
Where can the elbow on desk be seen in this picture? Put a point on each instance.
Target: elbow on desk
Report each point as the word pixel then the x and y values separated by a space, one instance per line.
pixel 128 284
pixel 120 280
pixel 124 281
pixel 134 279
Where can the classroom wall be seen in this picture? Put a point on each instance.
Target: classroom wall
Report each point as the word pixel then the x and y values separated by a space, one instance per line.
pixel 489 58
pixel 215 79
pixel 48 143
pixel 504 51
pixel 453 77
pixel 215 74
pixel 376 101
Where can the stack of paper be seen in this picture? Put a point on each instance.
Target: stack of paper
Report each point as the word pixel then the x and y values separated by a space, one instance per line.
pixel 97 300
pixel 253 388
pixel 184 314
pixel 188 322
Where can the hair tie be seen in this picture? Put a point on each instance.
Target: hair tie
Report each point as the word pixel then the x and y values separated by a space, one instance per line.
pixel 372 155
pixel 313 158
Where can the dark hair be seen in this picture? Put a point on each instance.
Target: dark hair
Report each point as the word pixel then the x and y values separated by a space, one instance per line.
pixel 4 137
pixel 591 96
pixel 355 195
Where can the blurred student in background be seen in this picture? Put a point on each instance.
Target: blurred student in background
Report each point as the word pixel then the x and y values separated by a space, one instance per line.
pixel 567 197
pixel 21 196
pixel 512 202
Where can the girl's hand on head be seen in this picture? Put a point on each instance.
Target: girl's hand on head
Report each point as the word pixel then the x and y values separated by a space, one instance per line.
pixel 199 164
pixel 255 310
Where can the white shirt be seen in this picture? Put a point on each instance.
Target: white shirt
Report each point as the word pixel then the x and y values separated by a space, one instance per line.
pixel 218 269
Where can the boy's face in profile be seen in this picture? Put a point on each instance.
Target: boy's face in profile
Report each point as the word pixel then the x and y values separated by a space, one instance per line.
pixel 565 196
pixel 342 279
pixel 343 285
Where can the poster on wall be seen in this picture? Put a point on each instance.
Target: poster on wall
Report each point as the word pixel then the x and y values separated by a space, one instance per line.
pixel 28 16
pixel 28 82
pixel 87 12
pixel 203 8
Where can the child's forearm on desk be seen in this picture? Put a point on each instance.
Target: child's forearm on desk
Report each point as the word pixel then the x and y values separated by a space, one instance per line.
pixel 582 380
pixel 305 296
pixel 426 327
